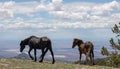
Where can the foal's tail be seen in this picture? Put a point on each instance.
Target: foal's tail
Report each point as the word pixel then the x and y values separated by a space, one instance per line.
pixel 92 50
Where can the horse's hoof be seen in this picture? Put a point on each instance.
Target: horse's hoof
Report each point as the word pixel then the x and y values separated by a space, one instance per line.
pixel 34 60
pixel 40 61
pixel 93 64
pixel 53 62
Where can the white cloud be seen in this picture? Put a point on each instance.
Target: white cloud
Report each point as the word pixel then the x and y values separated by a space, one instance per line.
pixel 55 5
pixel 89 15
pixel 87 11
pixel 70 15
pixel 5 9
pixel 76 11
pixel 41 7
pixel 116 15
pixel 8 4
pixel 24 8
pixel 50 26
pixel 103 9
pixel 5 13
pixel 10 8
pixel 78 6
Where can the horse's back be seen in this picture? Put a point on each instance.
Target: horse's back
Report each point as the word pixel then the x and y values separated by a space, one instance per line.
pixel 39 42
pixel 88 43
pixel 45 39
pixel 35 40
pixel 86 46
pixel 39 39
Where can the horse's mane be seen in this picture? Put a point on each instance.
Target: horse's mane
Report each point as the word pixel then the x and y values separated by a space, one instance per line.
pixel 31 36
pixel 27 39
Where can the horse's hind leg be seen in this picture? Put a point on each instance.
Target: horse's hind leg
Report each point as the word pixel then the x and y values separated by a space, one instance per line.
pixel 35 55
pixel 93 58
pixel 80 58
pixel 43 54
pixel 52 55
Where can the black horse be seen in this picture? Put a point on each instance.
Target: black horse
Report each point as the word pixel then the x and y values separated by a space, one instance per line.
pixel 34 42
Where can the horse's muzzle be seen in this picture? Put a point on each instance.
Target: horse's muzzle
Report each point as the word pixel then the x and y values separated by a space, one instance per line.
pixel 72 46
pixel 21 50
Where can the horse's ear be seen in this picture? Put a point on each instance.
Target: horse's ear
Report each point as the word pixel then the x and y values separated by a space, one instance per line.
pixel 21 40
pixel 80 41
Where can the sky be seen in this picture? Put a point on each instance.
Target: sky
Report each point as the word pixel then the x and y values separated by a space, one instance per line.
pixel 58 19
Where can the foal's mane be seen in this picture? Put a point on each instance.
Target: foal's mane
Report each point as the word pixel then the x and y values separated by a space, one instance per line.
pixel 79 40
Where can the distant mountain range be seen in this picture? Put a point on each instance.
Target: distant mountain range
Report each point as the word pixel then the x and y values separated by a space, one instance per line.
pixel 22 56
pixel 2 56
pixel 61 54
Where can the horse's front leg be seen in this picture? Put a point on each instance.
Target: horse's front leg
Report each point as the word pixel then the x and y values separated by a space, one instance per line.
pixel 42 50
pixel 30 54
pixel 35 55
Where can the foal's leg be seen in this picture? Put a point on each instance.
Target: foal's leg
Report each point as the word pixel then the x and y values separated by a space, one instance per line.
pixel 80 58
pixel 86 57
pixel 43 55
pixel 93 58
pixel 30 54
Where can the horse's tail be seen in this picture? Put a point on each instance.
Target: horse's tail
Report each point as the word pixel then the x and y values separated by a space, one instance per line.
pixel 50 43
pixel 92 50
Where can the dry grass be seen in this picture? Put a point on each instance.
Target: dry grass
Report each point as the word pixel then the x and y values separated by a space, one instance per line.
pixel 28 64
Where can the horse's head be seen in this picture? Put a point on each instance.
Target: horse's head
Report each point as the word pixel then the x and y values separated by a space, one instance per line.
pixel 22 45
pixel 76 42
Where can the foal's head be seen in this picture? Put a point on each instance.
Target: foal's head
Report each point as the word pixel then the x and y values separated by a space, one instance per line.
pixel 76 42
pixel 22 45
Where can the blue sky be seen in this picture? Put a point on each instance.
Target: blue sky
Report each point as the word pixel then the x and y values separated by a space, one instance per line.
pixel 58 19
